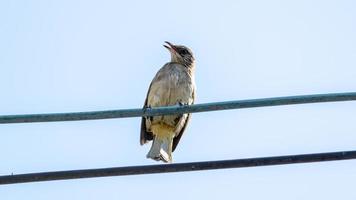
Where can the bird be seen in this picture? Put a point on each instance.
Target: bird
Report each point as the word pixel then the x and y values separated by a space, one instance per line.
pixel 173 84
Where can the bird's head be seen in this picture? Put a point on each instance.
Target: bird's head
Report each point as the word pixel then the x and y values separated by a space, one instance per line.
pixel 180 54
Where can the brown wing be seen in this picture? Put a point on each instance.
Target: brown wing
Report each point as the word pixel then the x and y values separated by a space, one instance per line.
pixel 145 136
pixel 177 138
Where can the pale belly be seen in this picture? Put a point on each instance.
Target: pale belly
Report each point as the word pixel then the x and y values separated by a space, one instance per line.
pixel 171 90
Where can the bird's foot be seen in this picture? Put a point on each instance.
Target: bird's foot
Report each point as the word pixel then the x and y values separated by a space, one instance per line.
pixel 145 109
pixel 181 103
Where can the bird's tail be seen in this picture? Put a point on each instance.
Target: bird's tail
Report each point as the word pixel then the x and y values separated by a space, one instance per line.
pixel 161 148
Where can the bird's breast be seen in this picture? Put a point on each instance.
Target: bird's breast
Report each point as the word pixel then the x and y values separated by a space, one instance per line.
pixel 173 88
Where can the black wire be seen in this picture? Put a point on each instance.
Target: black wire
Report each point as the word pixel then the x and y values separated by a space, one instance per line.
pixel 179 167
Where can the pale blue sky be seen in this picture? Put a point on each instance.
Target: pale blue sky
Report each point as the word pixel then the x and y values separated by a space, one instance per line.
pixel 67 56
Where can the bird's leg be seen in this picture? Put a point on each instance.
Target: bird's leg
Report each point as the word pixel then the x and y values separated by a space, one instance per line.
pixel 180 103
pixel 145 108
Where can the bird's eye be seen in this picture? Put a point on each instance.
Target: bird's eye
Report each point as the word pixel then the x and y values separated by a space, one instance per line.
pixel 183 52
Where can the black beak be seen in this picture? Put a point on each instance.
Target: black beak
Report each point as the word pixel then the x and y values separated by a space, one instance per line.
pixel 169 46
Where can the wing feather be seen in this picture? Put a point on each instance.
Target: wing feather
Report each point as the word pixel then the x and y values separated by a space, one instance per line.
pixel 177 138
pixel 145 136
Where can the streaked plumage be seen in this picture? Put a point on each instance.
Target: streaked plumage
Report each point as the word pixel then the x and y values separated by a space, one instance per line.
pixel 173 85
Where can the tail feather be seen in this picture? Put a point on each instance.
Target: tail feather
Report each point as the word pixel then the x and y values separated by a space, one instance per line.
pixel 161 149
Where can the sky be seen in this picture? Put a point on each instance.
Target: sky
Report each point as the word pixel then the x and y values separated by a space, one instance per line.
pixel 71 55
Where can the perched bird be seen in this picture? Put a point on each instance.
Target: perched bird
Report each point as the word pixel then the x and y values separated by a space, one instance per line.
pixel 174 84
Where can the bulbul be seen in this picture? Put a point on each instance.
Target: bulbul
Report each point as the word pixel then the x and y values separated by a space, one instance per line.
pixel 174 84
